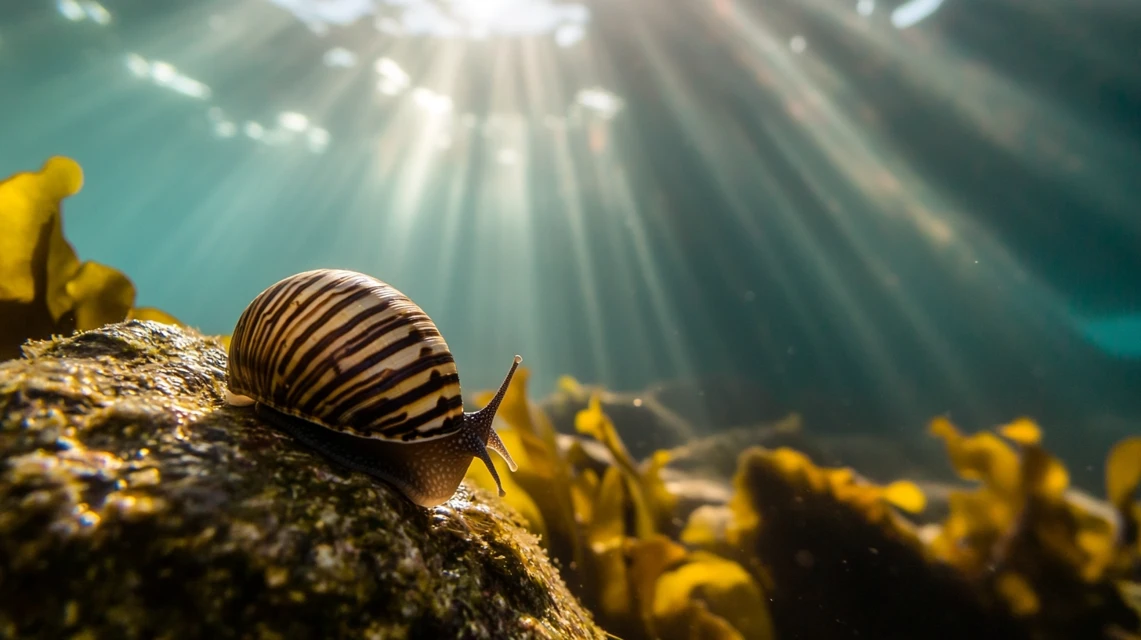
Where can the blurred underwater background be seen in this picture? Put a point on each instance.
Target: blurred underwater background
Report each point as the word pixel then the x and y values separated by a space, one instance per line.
pixel 792 281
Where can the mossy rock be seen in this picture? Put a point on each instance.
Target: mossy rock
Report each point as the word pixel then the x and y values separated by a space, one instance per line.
pixel 134 503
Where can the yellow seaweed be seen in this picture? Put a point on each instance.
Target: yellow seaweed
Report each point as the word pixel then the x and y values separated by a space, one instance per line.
pixel 158 315
pixel 984 457
pixel 1051 542
pixel 614 522
pixel 649 559
pixel 906 495
pixel 845 485
pixel 1123 471
pixel 985 517
pixel 1024 431
pixel 606 536
pixel 101 295
pixel 651 501
pixel 35 258
pixel 707 527
pixel 1014 588
pixel 725 589
pixel 544 476
pixel 44 288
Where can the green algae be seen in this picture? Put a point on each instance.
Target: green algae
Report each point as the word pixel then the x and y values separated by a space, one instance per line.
pixel 136 504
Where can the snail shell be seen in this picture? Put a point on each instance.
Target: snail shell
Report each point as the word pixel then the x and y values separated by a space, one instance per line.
pixel 351 367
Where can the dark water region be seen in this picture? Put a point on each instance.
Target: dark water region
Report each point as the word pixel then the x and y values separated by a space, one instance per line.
pixel 785 249
pixel 1084 248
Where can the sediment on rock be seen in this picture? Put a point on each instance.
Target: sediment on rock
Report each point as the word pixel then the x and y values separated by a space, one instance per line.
pixel 134 503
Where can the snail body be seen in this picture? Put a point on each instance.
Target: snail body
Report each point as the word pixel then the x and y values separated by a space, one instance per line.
pixel 352 368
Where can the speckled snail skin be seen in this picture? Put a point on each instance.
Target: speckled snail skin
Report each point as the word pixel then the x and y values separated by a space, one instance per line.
pixel 351 367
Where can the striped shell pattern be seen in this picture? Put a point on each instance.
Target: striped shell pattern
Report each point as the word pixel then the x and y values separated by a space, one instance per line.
pixel 350 353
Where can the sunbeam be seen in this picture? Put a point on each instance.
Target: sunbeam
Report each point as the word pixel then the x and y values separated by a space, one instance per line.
pixel 774 284
pixel 621 194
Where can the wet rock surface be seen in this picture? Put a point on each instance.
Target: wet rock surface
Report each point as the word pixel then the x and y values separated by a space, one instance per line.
pixel 133 504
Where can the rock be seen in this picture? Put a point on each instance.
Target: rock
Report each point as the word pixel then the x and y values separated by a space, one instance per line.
pixel 133 503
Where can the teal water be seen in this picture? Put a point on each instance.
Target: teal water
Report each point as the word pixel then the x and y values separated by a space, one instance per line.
pixel 886 211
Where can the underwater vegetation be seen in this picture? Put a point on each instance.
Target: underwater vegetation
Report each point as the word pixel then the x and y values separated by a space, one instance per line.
pixel 799 550
pixel 44 288
pixel 803 551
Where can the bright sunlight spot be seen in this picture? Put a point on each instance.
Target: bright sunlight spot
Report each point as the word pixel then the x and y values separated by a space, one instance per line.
pixel 477 150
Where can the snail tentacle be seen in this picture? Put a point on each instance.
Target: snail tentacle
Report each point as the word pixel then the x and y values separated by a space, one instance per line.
pixel 354 369
pixel 496 445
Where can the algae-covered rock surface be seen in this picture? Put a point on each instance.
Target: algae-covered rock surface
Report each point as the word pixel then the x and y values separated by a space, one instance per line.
pixel 134 503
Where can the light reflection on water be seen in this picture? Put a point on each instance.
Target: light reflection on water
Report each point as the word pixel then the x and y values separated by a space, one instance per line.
pixel 381 106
